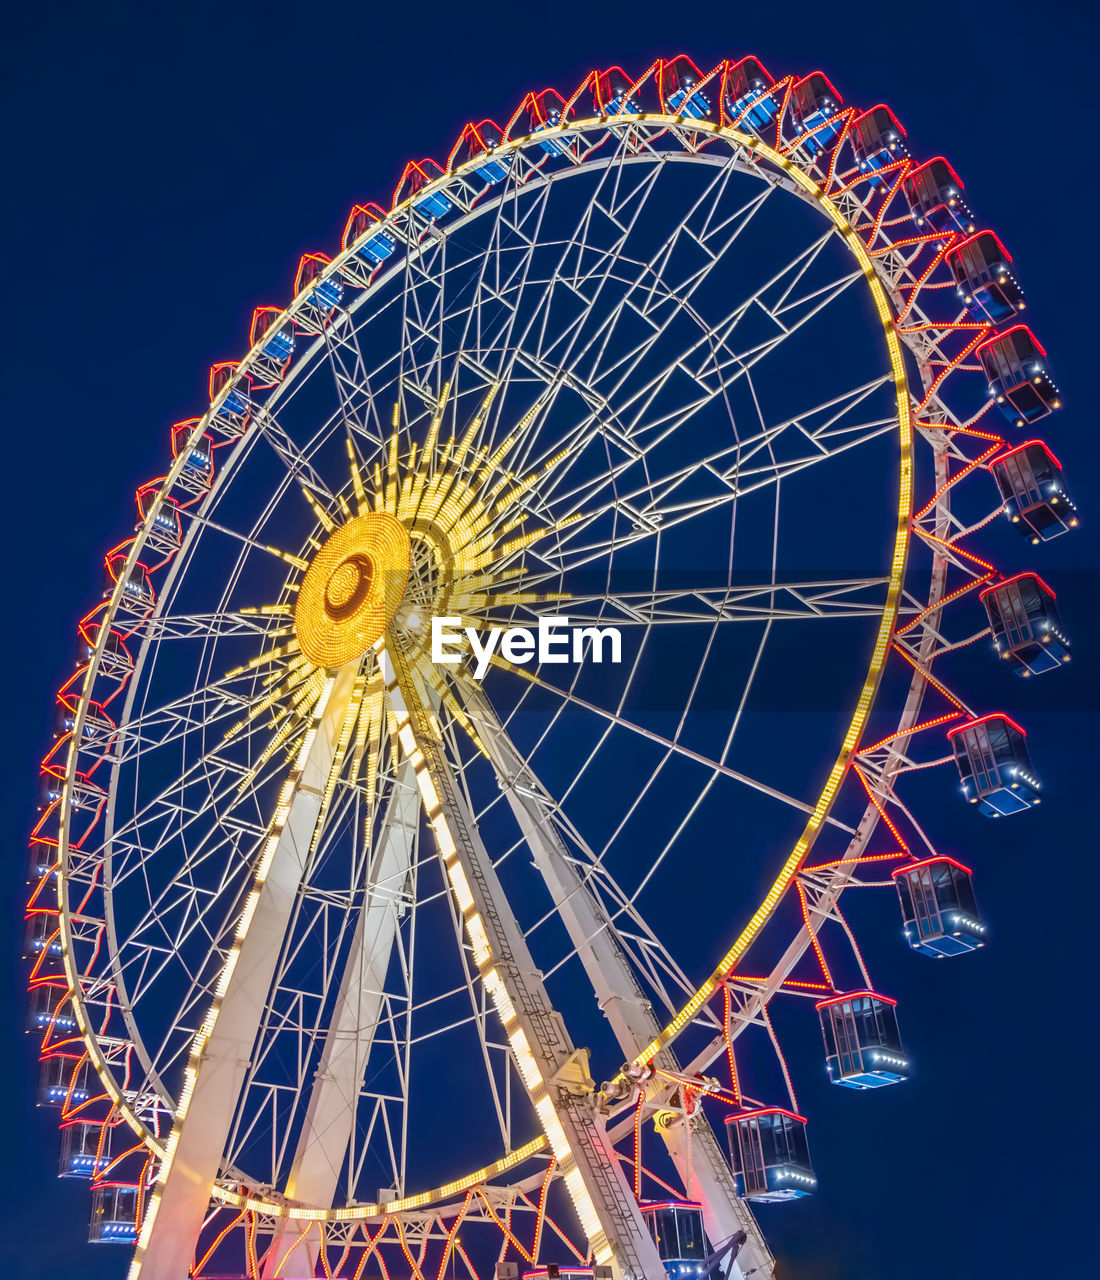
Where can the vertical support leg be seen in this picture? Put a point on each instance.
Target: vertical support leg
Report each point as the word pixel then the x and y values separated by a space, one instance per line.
pixel 333 1103
pixel 703 1170
pixel 545 1057
pixel 222 1048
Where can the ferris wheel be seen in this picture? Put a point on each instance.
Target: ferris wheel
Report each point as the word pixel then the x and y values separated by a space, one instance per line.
pixel 448 810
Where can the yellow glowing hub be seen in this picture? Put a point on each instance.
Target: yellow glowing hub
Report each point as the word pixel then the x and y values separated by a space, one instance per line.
pixel 352 589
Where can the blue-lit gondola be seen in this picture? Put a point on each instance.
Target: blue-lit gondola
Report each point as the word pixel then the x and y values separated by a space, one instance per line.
pixel 939 912
pixel 116 1213
pixel 275 340
pixel 48 1006
pixel 375 248
pixel 769 1155
pixel 198 457
pixel 477 141
pixel 549 110
pixel 933 192
pixel 237 406
pixel 677 1230
pixel 994 765
pixel 749 97
pixel 1015 365
pixel 611 91
pixel 165 531
pixel 42 935
pixel 815 107
pixel 863 1048
pixel 1027 628
pixel 63 1081
pixel 326 293
pixel 878 140
pixel 1035 496
pixel 677 78
pixel 982 268
pixel 85 1149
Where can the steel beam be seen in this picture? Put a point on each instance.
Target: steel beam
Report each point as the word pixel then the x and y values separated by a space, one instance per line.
pixel 216 1075
pixel 330 1116
pixel 553 1071
pixel 692 1145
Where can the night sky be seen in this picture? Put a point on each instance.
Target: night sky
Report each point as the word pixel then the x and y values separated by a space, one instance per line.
pixel 166 170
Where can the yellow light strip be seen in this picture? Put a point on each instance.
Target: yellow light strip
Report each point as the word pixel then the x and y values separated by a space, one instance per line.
pixel 324 519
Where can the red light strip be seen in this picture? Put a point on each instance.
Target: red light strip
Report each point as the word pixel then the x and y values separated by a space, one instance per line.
pixel 852 939
pixel 953 546
pixel 954 595
pixel 787 982
pixel 922 282
pixel 1028 573
pixel 919 666
pixel 950 483
pixel 977 236
pixel 993 715
pixel 855 862
pixel 927 862
pixel 950 169
pixel 540 1214
pixel 461 1253
pixel 852 995
pixel 550 1222
pixel 779 1054
pixel 201 1262
pixel 734 1081
pixel 930 237
pixel 1016 328
pixel 1028 444
pixel 908 733
pixel 813 935
pixel 876 230
pixel 878 805
pixel 933 390
pixel 250 1245
pixel 373 1249
pixel 505 1229
pixel 460 1216
pixel 405 1248
pixel 777 140
pixel 834 154
pixel 765 1111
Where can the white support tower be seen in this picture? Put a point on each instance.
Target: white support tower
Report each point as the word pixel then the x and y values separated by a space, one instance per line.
pixel 224 1045
pixel 330 1117
pixel 691 1143
pixel 554 1072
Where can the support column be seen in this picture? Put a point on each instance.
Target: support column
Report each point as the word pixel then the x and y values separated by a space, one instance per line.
pixel 333 1103
pixel 699 1160
pixel 223 1047
pixel 553 1071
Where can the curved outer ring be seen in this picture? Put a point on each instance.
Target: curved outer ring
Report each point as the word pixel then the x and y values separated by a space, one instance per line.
pixel 811 190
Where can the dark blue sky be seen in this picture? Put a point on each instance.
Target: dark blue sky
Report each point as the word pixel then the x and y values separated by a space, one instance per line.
pixel 166 168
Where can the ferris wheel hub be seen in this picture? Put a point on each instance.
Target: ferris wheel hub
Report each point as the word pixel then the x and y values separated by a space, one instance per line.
pixel 352 589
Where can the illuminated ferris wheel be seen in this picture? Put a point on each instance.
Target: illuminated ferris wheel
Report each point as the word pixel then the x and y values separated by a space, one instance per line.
pixel 356 955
